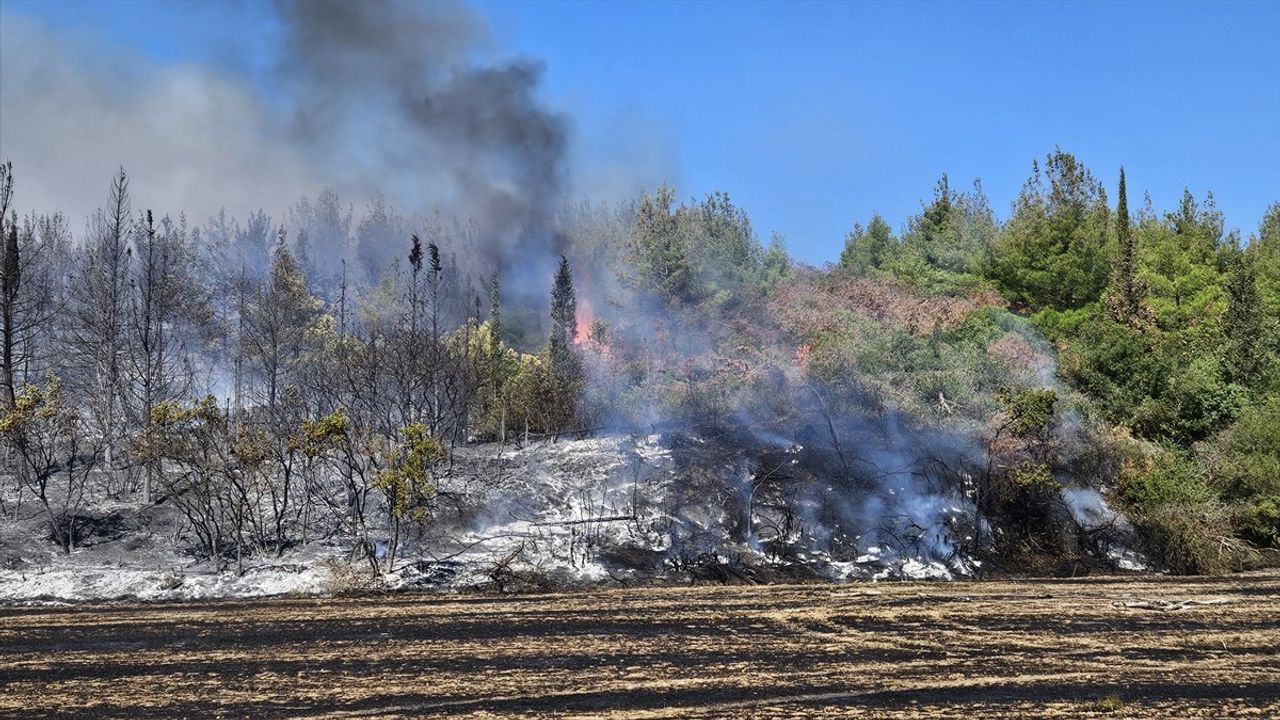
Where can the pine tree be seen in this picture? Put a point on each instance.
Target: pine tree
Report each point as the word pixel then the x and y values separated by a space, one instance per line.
pixel 281 313
pixel 1053 252
pixel 868 249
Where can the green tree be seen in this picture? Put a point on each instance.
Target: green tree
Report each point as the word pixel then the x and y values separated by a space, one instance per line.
pixel 1125 297
pixel 564 311
pixel 1248 470
pixel 1265 249
pixel 565 365
pixel 275 333
pixel 1181 260
pixel 659 254
pixel 868 249
pixel 1244 354
pixel 1054 251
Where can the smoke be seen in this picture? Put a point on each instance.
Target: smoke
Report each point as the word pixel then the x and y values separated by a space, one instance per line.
pixel 73 110
pixel 389 94
pixel 376 97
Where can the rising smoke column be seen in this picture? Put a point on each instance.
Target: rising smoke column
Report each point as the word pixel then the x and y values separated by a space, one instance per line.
pixel 391 93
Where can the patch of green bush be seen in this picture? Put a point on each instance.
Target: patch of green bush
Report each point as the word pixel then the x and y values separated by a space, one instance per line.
pixel 1181 518
pixel 1259 521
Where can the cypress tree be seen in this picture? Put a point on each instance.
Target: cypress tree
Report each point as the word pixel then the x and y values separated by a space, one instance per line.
pixel 566 368
pixel 564 315
pixel 1125 298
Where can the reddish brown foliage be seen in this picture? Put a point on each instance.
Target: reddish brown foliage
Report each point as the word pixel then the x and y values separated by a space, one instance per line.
pixel 815 302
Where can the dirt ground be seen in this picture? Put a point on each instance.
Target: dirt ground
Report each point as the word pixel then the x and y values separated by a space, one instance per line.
pixel 1111 647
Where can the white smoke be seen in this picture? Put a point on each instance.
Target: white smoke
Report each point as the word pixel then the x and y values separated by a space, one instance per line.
pixel 73 110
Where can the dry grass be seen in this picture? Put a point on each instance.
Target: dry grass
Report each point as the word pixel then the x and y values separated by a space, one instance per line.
pixel 1067 648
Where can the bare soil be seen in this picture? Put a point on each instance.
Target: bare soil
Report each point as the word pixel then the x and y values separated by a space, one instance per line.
pixel 1094 647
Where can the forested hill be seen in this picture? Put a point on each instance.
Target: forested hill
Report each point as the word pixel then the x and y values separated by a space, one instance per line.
pixel 979 386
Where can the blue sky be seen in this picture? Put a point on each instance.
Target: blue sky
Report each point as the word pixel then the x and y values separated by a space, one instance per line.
pixel 815 115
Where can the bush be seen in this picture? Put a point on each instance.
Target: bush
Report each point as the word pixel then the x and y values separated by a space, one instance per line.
pixel 1190 539
pixel 1250 452
pixel 346 579
pixel 1186 528
pixel 1259 521
pixel 1172 481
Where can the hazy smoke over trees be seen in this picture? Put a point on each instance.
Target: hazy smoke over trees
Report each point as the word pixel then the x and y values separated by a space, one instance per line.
pixel 367 98
pixel 386 92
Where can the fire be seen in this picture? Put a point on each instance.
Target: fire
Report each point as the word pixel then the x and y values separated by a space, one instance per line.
pixel 585 318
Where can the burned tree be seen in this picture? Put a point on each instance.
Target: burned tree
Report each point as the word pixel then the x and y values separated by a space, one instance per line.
pixel 100 292
pixel 10 279
pixel 166 298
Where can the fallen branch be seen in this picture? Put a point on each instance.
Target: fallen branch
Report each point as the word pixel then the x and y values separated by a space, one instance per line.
pixel 611 518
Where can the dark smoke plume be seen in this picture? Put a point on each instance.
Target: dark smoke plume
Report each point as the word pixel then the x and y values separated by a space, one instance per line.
pixel 391 91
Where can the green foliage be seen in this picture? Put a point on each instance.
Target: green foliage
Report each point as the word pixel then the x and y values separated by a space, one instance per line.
pixel 1189 538
pixel 34 404
pixel 407 475
pixel 700 253
pixel 1058 325
pixel 1181 264
pixel 564 359
pixel 1193 403
pixel 1265 251
pixel 953 234
pixel 944 251
pixel 1172 480
pixel 1115 364
pixel 658 252
pixel 1247 470
pixel 1182 520
pixel 1259 521
pixel 1035 478
pixel 532 398
pixel 322 434
pixel 1125 299
pixel 564 325
pixel 868 249
pixel 1030 411
pixel 1055 251
pixel 1244 358
pixel 1250 452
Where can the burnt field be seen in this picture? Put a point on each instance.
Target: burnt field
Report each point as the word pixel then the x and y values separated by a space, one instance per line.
pixel 1116 647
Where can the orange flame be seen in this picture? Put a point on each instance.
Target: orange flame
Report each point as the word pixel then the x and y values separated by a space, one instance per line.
pixel 585 317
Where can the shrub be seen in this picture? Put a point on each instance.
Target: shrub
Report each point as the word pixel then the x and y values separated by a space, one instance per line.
pixel 1186 528
pixel 1259 521
pixel 1171 481
pixel 1192 539
pixel 1251 453
pixel 345 579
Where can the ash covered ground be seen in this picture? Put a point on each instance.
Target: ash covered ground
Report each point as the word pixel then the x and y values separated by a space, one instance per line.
pixel 610 510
